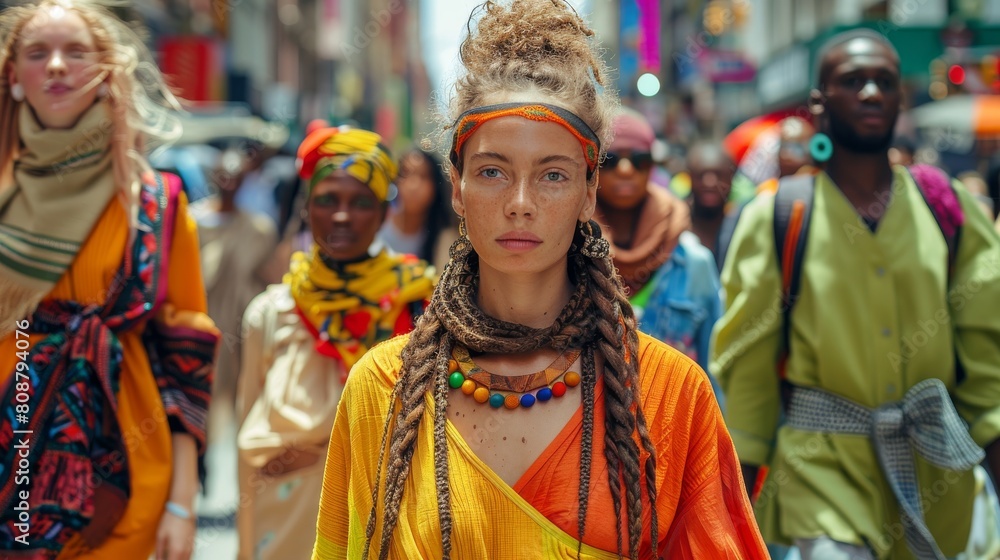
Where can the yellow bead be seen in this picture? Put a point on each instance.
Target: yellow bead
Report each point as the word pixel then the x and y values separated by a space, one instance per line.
pixel 481 395
pixel 453 365
pixel 468 386
pixel 511 402
pixel 572 379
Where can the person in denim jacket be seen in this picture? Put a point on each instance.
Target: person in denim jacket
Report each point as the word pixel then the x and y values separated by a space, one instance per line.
pixel 672 280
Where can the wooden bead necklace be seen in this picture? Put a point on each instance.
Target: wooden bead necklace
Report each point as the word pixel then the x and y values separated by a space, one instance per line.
pixel 512 391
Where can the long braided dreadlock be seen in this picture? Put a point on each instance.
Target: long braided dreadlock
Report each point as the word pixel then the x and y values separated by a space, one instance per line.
pixel 543 46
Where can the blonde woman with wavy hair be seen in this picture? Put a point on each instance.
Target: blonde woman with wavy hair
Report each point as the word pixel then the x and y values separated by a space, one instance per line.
pixel 105 349
pixel 525 416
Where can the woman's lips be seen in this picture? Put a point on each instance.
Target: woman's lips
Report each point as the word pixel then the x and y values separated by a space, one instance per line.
pixel 518 244
pixel 519 241
pixel 58 89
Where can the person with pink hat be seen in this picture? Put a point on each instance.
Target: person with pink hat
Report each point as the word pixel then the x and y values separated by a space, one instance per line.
pixel 672 280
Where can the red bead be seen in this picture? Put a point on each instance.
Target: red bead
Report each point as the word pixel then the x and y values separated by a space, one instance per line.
pixel 559 389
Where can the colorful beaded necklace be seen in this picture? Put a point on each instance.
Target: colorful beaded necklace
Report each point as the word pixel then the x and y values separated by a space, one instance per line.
pixel 512 391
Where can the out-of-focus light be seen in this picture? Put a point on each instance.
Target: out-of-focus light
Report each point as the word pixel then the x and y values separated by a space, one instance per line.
pixel 714 17
pixel 648 84
pixel 938 90
pixel 956 74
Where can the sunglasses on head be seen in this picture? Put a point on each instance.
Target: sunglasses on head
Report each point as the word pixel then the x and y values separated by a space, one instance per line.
pixel 640 161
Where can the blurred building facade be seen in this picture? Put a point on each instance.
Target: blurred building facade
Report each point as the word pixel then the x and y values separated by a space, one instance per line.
pixel 346 61
pixel 730 60
pixel 784 37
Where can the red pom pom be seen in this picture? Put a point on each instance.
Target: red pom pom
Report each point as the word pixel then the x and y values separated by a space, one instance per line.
pixel 559 389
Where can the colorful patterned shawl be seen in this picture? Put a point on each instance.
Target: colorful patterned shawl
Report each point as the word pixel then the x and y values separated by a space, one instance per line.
pixel 78 464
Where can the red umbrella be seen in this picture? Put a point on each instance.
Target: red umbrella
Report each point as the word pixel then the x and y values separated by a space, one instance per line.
pixel 743 136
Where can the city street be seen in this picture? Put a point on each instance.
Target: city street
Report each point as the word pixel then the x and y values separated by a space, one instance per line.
pixel 216 538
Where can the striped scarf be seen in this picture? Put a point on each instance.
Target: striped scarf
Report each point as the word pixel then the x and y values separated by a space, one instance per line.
pixel 63 181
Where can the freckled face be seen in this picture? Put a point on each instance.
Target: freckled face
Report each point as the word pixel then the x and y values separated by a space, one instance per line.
pixel 522 190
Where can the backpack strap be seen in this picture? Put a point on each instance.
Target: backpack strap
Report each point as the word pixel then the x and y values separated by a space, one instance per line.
pixel 792 211
pixel 942 200
pixel 726 234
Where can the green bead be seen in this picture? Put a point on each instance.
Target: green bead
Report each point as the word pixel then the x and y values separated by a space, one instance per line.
pixel 456 379
pixel 496 400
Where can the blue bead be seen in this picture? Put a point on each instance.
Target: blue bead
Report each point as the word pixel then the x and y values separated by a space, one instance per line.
pixel 544 394
pixel 527 400
pixel 496 400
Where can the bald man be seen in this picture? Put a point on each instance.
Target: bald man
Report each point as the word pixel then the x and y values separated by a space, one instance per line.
pixel 873 320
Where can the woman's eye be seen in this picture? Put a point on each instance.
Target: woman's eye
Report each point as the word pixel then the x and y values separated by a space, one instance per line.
pixel 37 55
pixel 323 200
pixel 491 173
pixel 364 203
pixel 554 176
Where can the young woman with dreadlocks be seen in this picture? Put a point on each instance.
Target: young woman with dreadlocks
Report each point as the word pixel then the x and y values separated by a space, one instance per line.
pixel 446 444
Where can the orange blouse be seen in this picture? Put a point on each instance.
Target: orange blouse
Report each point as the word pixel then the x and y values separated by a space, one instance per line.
pixel 702 506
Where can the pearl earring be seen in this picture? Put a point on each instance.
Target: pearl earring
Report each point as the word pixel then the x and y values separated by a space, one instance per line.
pixel 17 92
pixel 102 90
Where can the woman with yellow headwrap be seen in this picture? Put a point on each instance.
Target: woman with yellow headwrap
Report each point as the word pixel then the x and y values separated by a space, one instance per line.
pixel 301 338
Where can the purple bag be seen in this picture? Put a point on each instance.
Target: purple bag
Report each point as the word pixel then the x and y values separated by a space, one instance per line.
pixel 941 198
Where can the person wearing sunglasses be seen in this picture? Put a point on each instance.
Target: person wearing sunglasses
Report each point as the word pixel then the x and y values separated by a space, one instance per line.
pixel 672 281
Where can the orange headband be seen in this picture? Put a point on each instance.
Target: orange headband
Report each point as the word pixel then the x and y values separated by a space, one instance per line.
pixel 470 121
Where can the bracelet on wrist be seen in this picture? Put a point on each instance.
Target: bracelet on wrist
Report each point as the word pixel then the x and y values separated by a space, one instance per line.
pixel 178 510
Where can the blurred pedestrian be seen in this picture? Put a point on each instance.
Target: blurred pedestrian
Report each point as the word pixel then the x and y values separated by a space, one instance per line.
pixel 879 343
pixel 106 351
pixel 527 375
pixel 258 192
pixel 421 212
pixel 711 170
pixel 235 246
pixel 671 278
pixel 303 336
pixel 795 133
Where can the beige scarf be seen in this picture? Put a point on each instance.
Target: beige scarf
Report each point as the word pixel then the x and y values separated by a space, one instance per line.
pixel 63 181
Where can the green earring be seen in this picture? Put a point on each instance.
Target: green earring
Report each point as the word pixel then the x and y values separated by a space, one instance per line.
pixel 820 147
